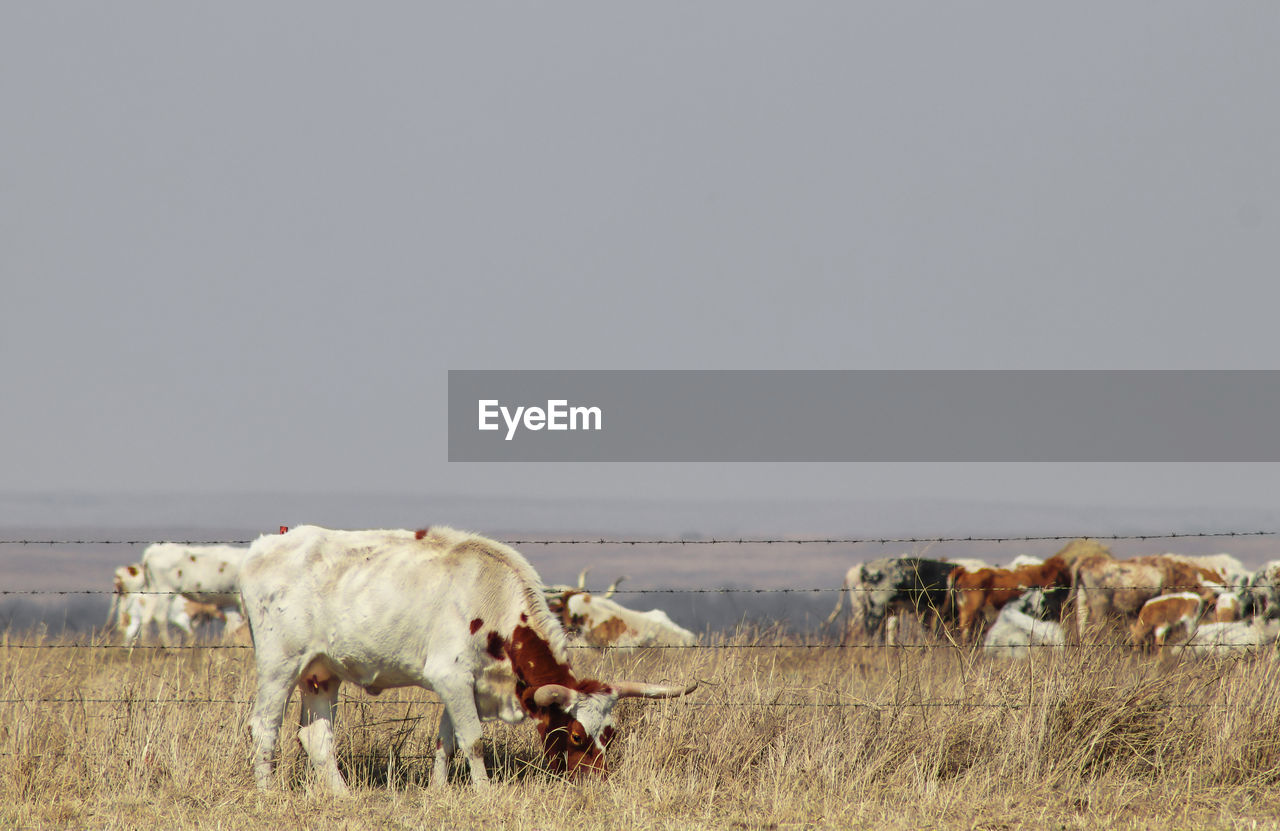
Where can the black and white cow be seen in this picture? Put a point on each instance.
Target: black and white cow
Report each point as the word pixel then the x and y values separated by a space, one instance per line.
pixel 879 587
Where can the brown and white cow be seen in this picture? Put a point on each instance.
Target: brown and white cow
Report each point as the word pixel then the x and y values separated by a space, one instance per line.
pixel 979 595
pixel 1164 618
pixel 441 609
pixel 1110 592
pixel 600 621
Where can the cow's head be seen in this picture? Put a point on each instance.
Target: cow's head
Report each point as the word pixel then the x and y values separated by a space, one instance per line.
pixel 574 718
pixel 128 578
pixel 576 723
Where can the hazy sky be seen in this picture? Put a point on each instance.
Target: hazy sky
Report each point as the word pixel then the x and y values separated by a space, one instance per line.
pixel 241 243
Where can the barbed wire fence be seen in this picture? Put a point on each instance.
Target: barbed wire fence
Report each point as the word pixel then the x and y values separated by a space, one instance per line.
pixel 7 644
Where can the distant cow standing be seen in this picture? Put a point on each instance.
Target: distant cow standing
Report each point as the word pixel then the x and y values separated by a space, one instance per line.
pixel 878 587
pixel 203 573
pixel 1110 593
pixel 987 590
pixel 1163 618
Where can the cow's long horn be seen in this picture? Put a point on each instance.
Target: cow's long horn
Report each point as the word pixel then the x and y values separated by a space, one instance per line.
pixel 549 694
pixel 582 578
pixel 636 689
pixel 614 587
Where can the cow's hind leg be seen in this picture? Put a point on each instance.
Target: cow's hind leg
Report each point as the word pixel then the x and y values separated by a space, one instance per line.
pixel 315 732
pixel 264 721
pixel 446 746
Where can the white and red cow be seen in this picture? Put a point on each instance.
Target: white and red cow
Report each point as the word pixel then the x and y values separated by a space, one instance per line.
pixel 602 622
pixel 441 609
pixel 1110 593
pixel 175 573
pixel 1162 618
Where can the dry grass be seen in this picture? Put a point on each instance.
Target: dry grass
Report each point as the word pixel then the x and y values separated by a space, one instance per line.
pixel 1074 740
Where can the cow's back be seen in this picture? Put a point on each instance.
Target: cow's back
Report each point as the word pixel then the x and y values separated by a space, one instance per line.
pixel 208 573
pixel 380 605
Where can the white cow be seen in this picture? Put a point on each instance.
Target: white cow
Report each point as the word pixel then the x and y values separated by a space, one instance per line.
pixel 134 606
pixel 1015 632
pixel 128 581
pixel 1225 638
pixel 438 608
pixel 203 573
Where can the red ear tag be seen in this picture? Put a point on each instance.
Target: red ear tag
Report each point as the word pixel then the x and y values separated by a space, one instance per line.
pixel 284 529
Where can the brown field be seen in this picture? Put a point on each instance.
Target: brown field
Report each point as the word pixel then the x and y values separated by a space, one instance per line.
pixel 777 736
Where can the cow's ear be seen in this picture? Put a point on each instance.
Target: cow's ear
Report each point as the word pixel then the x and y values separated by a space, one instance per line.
pixel 549 694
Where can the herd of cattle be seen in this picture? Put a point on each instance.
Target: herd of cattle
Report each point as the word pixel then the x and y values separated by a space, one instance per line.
pixel 469 618
pixel 1169 602
pixel 1198 604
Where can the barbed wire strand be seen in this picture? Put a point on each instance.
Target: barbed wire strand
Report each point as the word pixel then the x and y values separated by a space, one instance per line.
pixel 731 590
pixel 954 647
pixel 733 541
pixel 889 705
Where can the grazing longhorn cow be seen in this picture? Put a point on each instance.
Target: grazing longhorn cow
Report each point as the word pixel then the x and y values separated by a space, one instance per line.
pixel 441 609
pixel 602 622
pixel 879 586
pixel 985 591
pixel 203 573
pixel 1163 616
